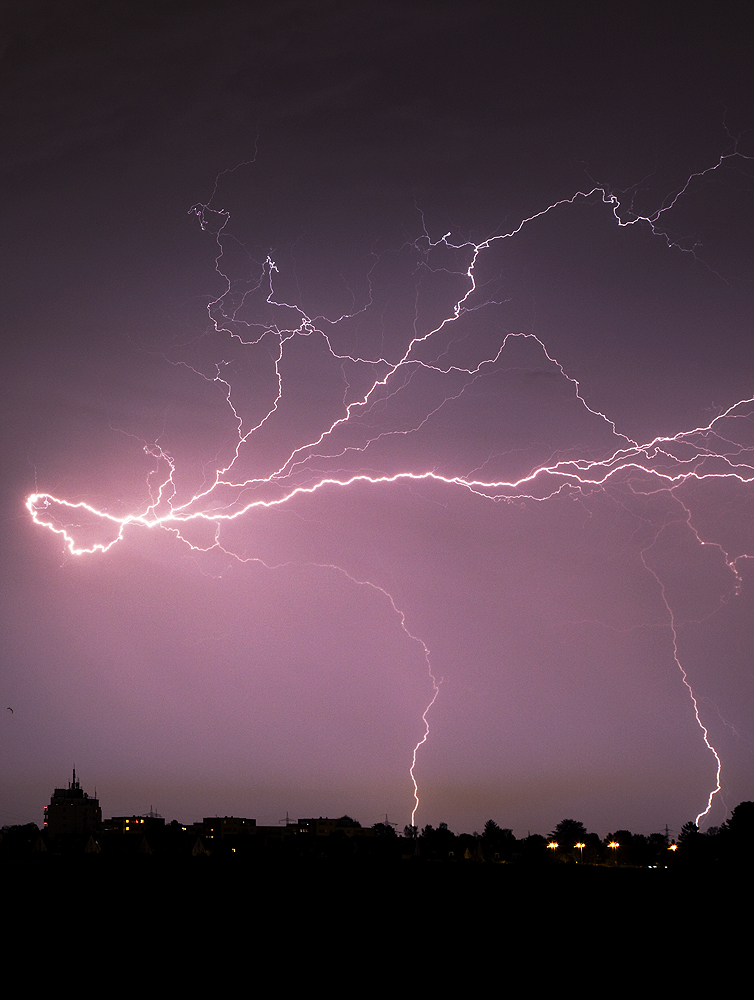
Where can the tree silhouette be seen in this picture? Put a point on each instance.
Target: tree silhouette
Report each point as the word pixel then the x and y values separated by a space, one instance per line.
pixel 384 830
pixel 741 822
pixel 497 843
pixel 566 835
pixel 688 832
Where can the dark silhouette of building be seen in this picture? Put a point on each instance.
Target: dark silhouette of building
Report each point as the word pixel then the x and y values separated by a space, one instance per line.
pixel 151 822
pixel 326 827
pixel 216 828
pixel 72 811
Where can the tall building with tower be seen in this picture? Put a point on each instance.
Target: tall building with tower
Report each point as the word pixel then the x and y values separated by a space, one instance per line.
pixel 71 810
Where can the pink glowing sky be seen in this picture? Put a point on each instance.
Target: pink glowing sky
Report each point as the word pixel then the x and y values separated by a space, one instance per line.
pixel 273 674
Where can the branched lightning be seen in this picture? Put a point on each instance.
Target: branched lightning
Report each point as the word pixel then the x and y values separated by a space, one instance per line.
pixel 342 452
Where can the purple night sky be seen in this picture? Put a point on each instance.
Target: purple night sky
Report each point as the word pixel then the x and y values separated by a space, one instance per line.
pixel 268 654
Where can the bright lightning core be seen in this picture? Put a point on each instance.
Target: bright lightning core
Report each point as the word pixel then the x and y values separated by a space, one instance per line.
pixel 420 390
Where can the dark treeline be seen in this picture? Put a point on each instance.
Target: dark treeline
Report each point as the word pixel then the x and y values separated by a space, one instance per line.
pixel 569 843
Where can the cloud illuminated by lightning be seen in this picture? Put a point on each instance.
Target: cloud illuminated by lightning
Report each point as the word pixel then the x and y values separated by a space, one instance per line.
pixel 379 403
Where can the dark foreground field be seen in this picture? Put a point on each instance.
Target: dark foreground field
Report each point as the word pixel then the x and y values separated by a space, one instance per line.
pixel 437 908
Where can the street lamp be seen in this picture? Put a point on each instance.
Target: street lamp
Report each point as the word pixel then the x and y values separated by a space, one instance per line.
pixel 614 845
pixel 581 849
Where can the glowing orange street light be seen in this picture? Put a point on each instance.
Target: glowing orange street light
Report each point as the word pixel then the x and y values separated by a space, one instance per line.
pixel 614 845
pixel 552 846
pixel 581 849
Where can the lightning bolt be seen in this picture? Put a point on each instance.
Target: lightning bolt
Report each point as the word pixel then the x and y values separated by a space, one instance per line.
pixel 380 386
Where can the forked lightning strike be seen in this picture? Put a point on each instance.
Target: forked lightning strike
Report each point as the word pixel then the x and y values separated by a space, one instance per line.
pixel 660 467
